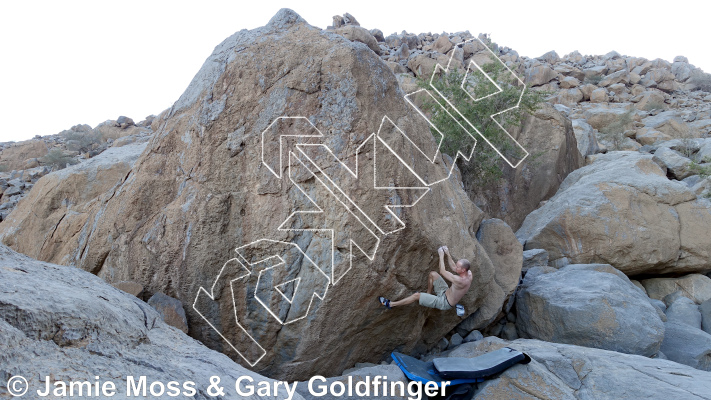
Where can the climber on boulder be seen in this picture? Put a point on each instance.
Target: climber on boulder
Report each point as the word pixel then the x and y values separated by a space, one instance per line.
pixel 444 297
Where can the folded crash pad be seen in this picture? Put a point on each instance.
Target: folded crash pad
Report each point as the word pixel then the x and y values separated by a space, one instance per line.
pixel 423 371
pixel 458 370
pixel 482 366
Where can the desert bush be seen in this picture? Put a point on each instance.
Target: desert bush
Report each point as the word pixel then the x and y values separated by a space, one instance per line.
pixel 702 81
pixel 593 79
pixel 57 159
pixel 615 132
pixel 83 141
pixel 4 168
pixel 486 165
pixel 653 105
pixel 702 169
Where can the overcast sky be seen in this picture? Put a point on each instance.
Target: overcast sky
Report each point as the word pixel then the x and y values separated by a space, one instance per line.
pixel 69 62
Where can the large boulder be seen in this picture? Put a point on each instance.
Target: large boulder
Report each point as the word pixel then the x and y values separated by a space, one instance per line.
pixel 13 157
pixel 539 75
pixel 586 138
pixel 214 179
pixel 668 122
pixel 696 287
pixel 503 249
pixel 170 310
pixel 588 305
pixel 677 166
pixel 684 311
pixel 550 140
pixel 600 116
pixel 622 210
pixel 560 371
pixel 687 345
pixel 61 207
pixel 67 324
pixel 358 34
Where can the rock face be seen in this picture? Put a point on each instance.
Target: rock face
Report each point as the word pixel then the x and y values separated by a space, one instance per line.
pixel 559 371
pixel 588 305
pixel 696 287
pixel 60 210
pixel 14 156
pixel 684 311
pixel 503 250
pixel 170 310
pixel 550 139
pixel 67 324
pixel 705 309
pixel 622 210
pixel 202 189
pixel 687 345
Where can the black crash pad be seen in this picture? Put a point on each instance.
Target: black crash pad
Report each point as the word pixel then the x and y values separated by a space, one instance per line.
pixel 421 371
pixel 479 367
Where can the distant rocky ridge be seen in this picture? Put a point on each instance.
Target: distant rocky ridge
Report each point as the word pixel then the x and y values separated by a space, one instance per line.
pixel 617 201
pixel 23 163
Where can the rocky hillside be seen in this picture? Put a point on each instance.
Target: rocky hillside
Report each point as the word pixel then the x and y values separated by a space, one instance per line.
pixel 79 327
pixel 593 255
pixel 23 163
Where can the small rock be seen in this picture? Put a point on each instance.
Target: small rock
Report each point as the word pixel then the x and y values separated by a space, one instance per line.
pixel 12 191
pixel 130 287
pixel 569 82
pixel 705 309
pixel 378 35
pixel 509 332
pixel 678 166
pixel 687 345
pixel 443 344
pixel 357 34
pixel 455 341
pixel 669 299
pixel 124 121
pixel 31 163
pixel 540 75
pixel 350 20
pixel 442 45
pixel 550 57
pixel 660 307
pixel 170 309
pixel 598 96
pixel 473 337
pixel 338 21
pixel 534 258
pixel 684 311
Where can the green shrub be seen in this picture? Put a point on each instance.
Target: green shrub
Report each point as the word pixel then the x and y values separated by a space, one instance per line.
pixel 57 159
pixel 486 164
pixel 615 132
pixel 653 105
pixel 701 169
pixel 593 79
pixel 4 168
pixel 83 141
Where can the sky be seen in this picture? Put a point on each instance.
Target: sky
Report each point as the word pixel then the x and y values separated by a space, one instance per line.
pixel 69 62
